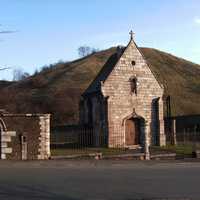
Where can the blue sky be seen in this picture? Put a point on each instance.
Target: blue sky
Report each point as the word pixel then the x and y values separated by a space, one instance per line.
pixel 52 30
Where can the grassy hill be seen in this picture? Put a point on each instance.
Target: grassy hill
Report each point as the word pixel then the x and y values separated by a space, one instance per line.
pixel 57 89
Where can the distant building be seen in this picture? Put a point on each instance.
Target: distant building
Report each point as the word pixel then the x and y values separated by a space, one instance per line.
pixel 124 104
pixel 24 136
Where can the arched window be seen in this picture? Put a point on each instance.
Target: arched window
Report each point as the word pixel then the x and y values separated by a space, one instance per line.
pixel 133 84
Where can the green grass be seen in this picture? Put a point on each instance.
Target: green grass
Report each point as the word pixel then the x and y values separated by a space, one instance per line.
pixel 180 150
pixel 83 151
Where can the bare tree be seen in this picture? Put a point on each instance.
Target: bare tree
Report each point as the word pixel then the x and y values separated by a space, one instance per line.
pixel 86 50
pixel 83 51
pixel 94 50
pixel 19 74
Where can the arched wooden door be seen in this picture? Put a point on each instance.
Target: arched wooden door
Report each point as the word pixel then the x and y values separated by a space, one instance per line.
pixel 132 131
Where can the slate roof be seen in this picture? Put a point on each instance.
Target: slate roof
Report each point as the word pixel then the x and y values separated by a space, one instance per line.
pixel 95 86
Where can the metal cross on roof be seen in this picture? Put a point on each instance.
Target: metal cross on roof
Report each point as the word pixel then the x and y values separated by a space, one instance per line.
pixel 131 34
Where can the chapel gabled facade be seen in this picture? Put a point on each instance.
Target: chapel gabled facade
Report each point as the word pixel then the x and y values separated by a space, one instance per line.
pixel 124 104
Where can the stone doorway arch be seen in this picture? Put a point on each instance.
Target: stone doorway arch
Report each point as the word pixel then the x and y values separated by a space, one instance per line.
pixel 2 125
pixel 134 130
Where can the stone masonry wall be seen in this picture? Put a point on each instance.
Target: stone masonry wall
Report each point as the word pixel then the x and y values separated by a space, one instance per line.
pixel 35 130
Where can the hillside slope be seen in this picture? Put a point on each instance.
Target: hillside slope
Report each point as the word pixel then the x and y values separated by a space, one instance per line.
pixel 57 89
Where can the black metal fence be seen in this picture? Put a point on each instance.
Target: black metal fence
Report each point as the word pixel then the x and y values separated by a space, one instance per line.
pixel 82 140
pixel 189 137
pixel 75 139
pixel 72 136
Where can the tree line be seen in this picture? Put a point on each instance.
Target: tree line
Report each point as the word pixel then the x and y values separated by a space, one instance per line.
pixel 19 74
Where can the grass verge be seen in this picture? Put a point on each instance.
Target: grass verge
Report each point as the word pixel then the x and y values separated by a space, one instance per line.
pixel 104 151
pixel 180 150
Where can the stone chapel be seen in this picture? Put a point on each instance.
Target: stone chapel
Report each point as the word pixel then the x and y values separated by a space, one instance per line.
pixel 124 103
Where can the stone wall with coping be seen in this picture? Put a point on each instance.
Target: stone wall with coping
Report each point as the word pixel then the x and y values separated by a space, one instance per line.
pixel 35 128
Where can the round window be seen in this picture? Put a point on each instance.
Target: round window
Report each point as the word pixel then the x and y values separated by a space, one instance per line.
pixel 133 63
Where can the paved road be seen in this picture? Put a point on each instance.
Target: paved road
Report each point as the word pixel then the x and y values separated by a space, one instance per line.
pixel 99 180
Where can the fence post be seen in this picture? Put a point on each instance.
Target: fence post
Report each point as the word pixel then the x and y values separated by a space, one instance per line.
pixel 194 140
pixel 146 147
pixel 174 131
pixel 184 136
pixel 184 141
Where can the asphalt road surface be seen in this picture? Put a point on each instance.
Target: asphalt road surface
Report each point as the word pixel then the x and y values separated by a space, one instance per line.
pixel 99 180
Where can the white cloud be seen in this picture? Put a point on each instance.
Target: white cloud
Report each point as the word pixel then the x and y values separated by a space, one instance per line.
pixel 197 20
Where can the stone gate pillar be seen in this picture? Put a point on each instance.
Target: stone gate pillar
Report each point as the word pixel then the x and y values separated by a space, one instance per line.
pixel 162 125
pixel 147 140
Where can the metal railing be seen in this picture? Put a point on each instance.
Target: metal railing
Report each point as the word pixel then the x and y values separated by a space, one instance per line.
pixel 76 140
